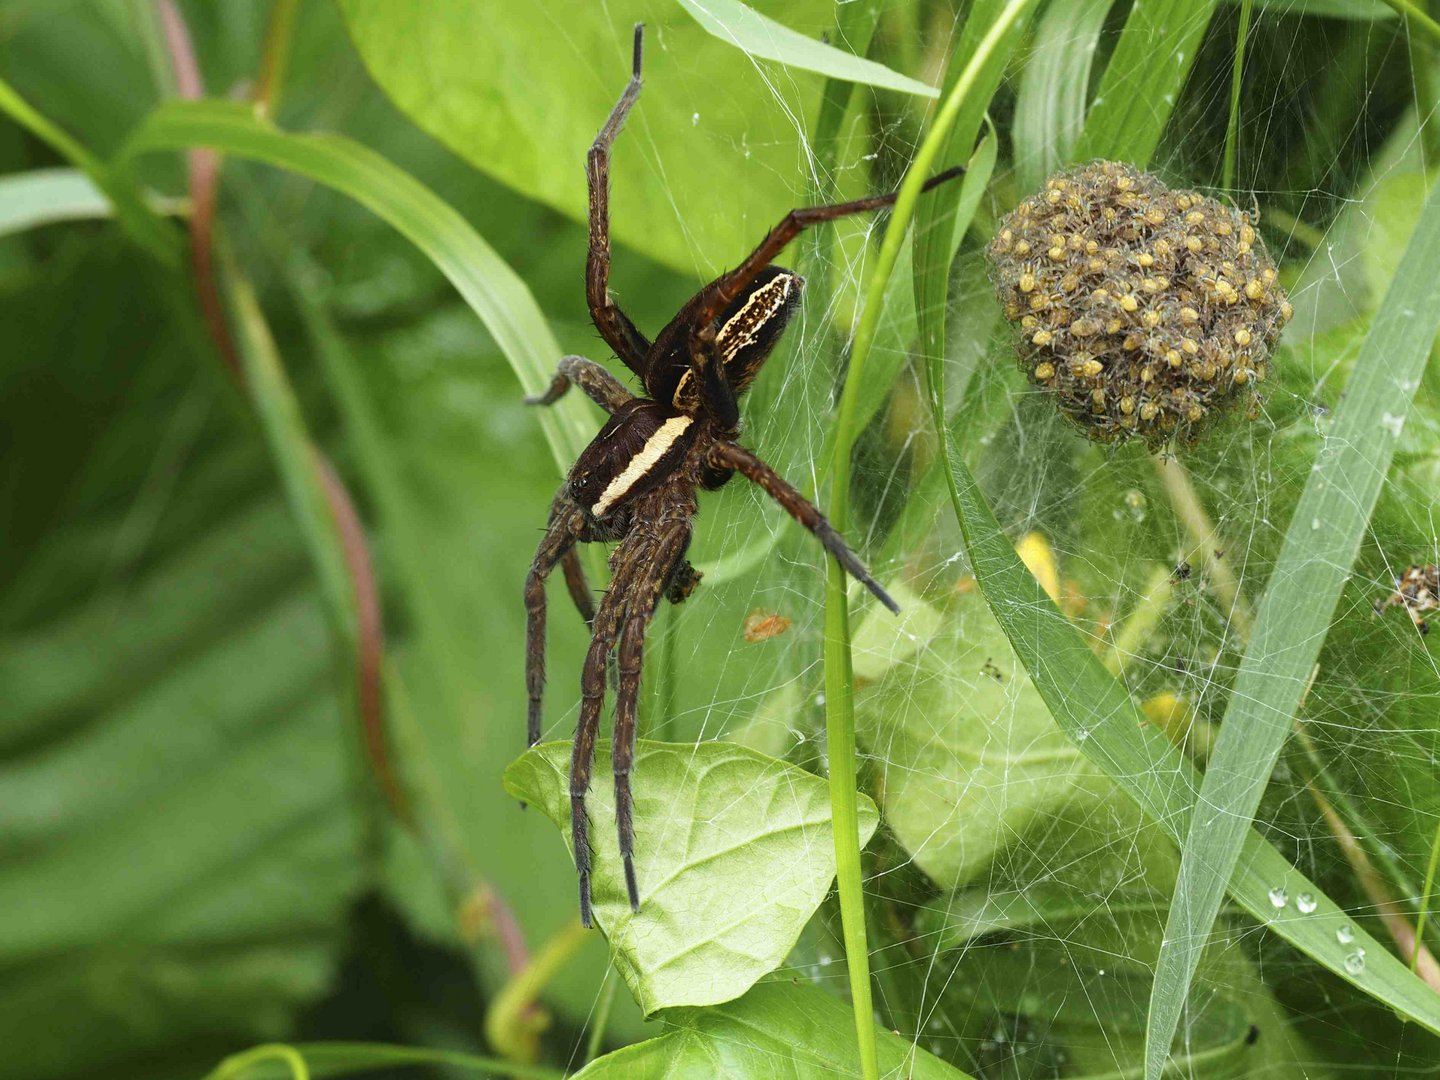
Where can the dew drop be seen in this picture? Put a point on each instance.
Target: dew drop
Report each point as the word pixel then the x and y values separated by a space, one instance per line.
pixel 820 700
pixel 1305 902
pixel 695 119
pixel 1345 934
pixel 1278 897
pixel 1082 734
pixel 1314 524
pixel 1355 962
pixel 823 960
pixel 1393 424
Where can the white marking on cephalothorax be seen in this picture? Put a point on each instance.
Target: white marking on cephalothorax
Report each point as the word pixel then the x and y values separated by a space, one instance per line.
pixel 654 449
pixel 758 310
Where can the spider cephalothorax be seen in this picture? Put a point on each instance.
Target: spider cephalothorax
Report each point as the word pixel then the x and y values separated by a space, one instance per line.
pixel 637 482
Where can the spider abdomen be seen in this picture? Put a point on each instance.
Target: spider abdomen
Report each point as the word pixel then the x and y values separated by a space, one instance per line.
pixel 642 443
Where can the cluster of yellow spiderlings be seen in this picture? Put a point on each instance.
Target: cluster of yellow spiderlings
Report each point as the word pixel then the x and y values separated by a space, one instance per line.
pixel 1144 310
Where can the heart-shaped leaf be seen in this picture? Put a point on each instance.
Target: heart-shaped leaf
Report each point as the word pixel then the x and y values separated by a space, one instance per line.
pixel 733 855
pixel 782 1027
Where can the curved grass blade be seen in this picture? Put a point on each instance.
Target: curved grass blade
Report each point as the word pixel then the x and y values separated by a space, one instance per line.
pixel 44 196
pixel 1054 88
pixel 1294 614
pixel 150 231
pixel 491 288
pixel 839 678
pixel 1143 78
pixel 277 1061
pixel 758 35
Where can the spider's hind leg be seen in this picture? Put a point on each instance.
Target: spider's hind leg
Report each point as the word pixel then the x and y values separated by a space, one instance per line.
pixel 665 569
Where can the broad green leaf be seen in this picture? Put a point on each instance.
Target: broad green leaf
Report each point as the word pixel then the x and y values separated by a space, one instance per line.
pixel 971 763
pixel 733 857
pixel 499 297
pixel 180 837
pixel 48 195
pixel 781 1028
pixel 1296 610
pixel 1143 80
pixel 1055 88
pixel 757 35
pixel 710 158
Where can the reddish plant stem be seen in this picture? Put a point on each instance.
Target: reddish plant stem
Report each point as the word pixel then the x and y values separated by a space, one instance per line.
pixel 204 178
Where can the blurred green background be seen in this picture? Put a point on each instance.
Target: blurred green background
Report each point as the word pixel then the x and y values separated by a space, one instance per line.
pixel 194 855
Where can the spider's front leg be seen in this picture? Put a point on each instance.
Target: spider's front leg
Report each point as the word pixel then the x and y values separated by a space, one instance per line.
pixel 561 534
pixel 599 385
pixel 729 455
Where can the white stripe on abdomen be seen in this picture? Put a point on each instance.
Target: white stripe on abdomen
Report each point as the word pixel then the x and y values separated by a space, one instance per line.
pixel 654 449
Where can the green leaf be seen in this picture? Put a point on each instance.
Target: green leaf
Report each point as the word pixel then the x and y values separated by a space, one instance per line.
pixel 757 35
pixel 43 196
pixel 491 288
pixel 178 837
pixel 1055 88
pixel 708 160
pixel 781 1028
pixel 1295 612
pixel 1358 10
pixel 1143 79
pixel 734 857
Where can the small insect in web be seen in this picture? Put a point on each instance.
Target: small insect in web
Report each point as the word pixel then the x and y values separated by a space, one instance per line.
pixel 1417 591
pixel 637 482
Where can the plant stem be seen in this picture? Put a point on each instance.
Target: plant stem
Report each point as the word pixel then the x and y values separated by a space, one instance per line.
pixel 1425 894
pixel 1232 130
pixel 279 32
pixel 1411 13
pixel 839 680
pixel 237 1065
pixel 512 1023
pixel 1205 541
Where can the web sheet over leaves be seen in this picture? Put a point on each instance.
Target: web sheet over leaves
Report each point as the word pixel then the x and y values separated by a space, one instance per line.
pixel 947 727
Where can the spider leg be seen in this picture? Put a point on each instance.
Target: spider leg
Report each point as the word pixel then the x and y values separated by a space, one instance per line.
pixel 578 587
pixel 732 283
pixel 629 560
pixel 599 385
pixel 615 327
pixel 660 561
pixel 729 455
pixel 561 533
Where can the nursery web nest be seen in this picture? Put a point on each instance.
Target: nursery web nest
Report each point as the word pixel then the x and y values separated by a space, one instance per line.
pixel 1145 312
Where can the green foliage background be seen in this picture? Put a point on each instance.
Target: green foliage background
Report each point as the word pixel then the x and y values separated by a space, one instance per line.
pixel 194 854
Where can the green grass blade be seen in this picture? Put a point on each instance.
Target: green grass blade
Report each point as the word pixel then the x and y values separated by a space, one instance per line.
pixel 839 679
pixel 495 291
pixel 146 228
pixel 1294 614
pixel 351 1059
pixel 1237 72
pixel 1144 77
pixel 757 35
pixel 44 196
pixel 1054 88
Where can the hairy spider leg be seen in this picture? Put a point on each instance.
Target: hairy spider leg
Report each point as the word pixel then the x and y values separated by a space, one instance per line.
pixel 614 325
pixel 578 586
pixel 599 385
pixel 562 532
pixel 628 564
pixel 732 283
pixel 666 552
pixel 729 455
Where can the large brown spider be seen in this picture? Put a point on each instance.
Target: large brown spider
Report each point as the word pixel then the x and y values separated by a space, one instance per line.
pixel 636 483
